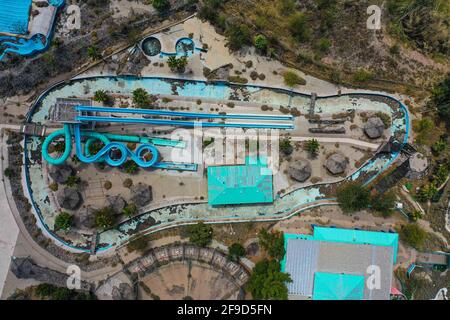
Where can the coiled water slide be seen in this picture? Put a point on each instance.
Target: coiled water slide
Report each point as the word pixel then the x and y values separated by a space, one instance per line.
pixel 115 152
pixel 145 155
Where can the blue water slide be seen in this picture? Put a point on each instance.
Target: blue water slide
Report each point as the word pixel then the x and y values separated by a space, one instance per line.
pixel 183 123
pixel 104 153
pixel 65 132
pixel 184 114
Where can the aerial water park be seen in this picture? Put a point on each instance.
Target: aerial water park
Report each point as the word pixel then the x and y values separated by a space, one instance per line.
pixel 116 127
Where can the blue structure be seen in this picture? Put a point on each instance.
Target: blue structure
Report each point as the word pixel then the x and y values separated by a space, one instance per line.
pixel 14 20
pixel 358 237
pixel 241 184
pixel 202 89
pixel 334 263
pixel 146 148
pixel 332 286
pixel 14 16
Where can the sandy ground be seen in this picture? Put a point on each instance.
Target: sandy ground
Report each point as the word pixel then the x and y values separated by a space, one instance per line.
pixel 125 8
pixel 180 279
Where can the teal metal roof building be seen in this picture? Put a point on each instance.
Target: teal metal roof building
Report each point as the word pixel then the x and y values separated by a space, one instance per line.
pixel 332 286
pixel 240 184
pixel 334 263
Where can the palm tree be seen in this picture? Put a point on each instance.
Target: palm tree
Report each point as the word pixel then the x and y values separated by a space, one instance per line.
pixel 312 146
pixel 101 96
pixel 93 53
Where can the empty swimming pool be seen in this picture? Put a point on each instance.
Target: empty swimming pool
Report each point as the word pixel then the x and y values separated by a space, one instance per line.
pixel 151 46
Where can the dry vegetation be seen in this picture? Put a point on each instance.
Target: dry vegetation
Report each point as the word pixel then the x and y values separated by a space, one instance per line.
pixel 329 39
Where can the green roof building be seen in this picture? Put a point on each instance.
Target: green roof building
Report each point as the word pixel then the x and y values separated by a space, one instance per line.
pixel 240 184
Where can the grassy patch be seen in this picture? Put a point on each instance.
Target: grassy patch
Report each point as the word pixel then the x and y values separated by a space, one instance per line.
pixel 292 79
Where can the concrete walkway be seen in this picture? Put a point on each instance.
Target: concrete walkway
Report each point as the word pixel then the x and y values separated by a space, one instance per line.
pixel 8 232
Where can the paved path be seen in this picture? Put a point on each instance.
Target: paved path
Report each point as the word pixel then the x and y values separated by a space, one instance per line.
pixel 8 233
pixel 356 142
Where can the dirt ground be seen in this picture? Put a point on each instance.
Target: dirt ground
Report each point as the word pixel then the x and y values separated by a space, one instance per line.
pixel 178 280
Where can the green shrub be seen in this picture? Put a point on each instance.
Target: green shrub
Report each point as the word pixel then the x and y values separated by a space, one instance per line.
pixel 298 27
pixel 44 290
pixel 385 118
pixel 384 203
pixel 142 99
pixel 286 7
pixel 413 235
pixel 237 79
pixel 94 53
pixel 238 36
pixel 273 243
pixel 427 192
pixel 312 146
pixel 292 79
pixel 101 96
pixel 104 218
pixel 130 210
pixel 425 130
pixel 362 75
pixel 323 45
pixel 63 221
pixel 395 49
pixel 73 181
pixel 200 234
pixel 130 167
pixel 235 251
pixel 286 146
pixel 441 98
pixel 353 197
pixel 8 172
pixel 177 64
pixel 268 282
pixel 260 42
pixel 209 11
pixel 161 5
